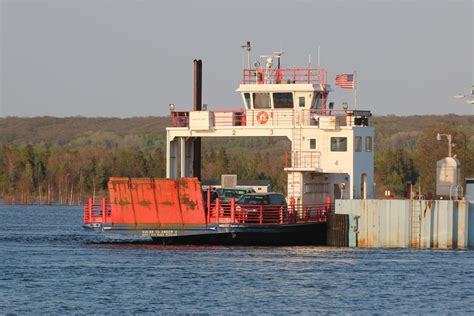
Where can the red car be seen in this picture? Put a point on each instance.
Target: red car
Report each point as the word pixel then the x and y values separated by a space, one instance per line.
pixel 262 208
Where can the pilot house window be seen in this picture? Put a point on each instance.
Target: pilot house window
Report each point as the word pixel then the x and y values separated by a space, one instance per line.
pixel 261 100
pixel 368 144
pixel 358 143
pixel 247 100
pixel 283 100
pixel 317 102
pixel 301 101
pixel 338 143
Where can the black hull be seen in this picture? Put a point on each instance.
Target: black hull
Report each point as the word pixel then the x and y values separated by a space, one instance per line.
pixel 294 235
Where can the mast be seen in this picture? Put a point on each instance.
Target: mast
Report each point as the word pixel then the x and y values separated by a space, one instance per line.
pixel 247 48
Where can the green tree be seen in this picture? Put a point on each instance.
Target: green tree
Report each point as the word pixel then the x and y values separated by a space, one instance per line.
pixel 395 167
pixel 429 150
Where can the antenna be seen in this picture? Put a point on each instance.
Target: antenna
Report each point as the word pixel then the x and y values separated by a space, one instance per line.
pixel 247 48
pixel 275 55
pixel 309 60
pixel 278 55
pixel 269 64
pixel 269 58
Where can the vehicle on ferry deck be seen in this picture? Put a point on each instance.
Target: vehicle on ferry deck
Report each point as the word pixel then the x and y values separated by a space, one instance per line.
pixel 271 206
pixel 235 193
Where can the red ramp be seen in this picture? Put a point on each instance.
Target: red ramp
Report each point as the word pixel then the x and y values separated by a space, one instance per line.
pixel 156 201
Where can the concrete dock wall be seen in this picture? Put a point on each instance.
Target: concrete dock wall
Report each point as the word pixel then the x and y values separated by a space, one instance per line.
pixel 409 223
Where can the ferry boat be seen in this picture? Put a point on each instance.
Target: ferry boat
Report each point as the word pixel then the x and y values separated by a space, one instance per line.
pixel 331 157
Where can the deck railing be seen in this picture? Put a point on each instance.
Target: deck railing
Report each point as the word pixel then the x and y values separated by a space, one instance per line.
pixel 231 213
pixel 180 119
pixel 97 213
pixel 240 117
pixel 272 117
pixel 303 159
pixel 284 76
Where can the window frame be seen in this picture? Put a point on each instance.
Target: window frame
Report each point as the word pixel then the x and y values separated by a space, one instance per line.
pixel 281 93
pixel 277 199
pixel 299 102
pixel 341 140
pixel 369 144
pixel 317 102
pixel 262 93
pixel 248 101
pixel 358 144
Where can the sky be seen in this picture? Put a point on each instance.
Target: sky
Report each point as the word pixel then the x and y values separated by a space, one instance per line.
pixel 132 58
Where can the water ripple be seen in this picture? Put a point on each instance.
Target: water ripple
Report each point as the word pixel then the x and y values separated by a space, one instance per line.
pixel 49 265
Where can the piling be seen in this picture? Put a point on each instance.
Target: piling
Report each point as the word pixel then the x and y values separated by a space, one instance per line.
pixel 338 230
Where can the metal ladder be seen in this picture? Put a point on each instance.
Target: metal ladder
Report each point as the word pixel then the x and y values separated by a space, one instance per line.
pixel 415 227
pixel 296 148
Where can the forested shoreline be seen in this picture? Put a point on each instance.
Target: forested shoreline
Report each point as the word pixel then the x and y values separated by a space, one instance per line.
pixel 52 160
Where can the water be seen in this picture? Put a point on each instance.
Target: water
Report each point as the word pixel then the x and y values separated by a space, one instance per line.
pixel 49 265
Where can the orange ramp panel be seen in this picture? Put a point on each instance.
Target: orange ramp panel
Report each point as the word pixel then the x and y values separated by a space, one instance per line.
pixel 156 201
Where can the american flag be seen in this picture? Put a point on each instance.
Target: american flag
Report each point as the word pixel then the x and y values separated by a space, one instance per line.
pixel 345 81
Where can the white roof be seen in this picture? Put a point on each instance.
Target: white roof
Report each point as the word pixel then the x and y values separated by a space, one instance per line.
pixel 282 87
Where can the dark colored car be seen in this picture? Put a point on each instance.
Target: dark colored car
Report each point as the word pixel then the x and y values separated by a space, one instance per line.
pixel 226 194
pixel 262 208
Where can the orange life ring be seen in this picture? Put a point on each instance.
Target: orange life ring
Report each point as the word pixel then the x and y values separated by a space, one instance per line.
pixel 262 117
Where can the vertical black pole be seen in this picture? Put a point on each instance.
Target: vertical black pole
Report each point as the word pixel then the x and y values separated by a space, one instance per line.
pixel 197 107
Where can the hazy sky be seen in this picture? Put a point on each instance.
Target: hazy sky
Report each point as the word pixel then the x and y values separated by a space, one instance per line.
pixel 133 58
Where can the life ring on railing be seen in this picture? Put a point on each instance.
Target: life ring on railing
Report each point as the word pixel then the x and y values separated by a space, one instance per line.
pixel 262 117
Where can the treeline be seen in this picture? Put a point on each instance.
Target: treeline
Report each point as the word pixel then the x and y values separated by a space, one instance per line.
pixel 69 175
pixel 396 166
pixel 65 160
pixel 51 174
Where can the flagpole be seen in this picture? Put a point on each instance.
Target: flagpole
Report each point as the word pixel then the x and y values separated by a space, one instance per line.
pixel 355 89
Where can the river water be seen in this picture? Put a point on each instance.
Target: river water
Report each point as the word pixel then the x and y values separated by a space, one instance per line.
pixel 50 265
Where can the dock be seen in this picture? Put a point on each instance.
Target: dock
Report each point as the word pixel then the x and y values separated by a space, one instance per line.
pixel 421 224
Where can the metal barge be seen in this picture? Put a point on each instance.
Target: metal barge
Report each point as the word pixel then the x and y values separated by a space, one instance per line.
pixel 172 212
pixel 331 157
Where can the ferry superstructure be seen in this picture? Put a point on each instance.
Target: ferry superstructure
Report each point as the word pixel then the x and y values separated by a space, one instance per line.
pixel 332 150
